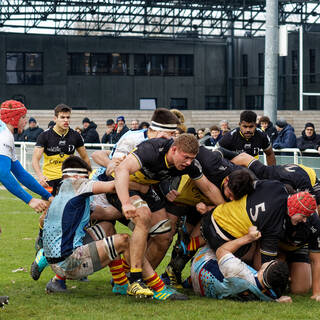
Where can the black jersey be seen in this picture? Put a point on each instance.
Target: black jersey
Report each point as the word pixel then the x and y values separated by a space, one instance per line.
pixel 57 148
pixel 235 141
pixel 297 236
pixel 264 208
pixel 214 166
pixel 151 155
pixel 300 177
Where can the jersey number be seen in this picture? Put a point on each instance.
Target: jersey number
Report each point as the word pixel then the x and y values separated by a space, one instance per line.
pixel 258 208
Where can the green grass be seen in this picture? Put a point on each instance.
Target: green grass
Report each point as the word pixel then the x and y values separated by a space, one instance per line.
pixel 94 299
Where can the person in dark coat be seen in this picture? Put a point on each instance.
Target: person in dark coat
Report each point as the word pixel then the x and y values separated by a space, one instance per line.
pixel 309 139
pixel 110 133
pixel 215 136
pixel 286 137
pixel 89 132
pixel 31 134
pixel 267 126
pixel 121 128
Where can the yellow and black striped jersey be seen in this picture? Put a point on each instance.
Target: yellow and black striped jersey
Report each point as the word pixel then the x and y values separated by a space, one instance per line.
pixel 264 208
pixel 57 148
pixel 151 155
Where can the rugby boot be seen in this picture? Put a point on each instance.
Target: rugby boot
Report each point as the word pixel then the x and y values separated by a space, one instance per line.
pixel 169 294
pixel 4 300
pixel 56 285
pixel 139 289
pixel 120 289
pixel 173 276
pixel 38 265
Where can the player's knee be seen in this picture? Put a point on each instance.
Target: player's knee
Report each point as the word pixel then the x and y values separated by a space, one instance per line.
pixel 121 242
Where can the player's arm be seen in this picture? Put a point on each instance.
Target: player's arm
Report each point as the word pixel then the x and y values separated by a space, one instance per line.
pixel 271 158
pixel 209 190
pixel 243 159
pixel 36 157
pixel 103 187
pixel 315 270
pixel 83 154
pixel 233 245
pixel 122 172
pixel 101 157
pixel 12 185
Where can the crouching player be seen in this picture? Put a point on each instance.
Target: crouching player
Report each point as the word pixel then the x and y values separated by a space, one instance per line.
pixel 74 252
pixel 222 275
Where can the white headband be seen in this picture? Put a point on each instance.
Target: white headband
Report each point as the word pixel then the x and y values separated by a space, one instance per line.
pixel 163 127
pixel 75 172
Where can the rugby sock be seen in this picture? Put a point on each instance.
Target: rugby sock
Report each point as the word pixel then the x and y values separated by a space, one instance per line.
pixel 154 282
pixel 135 274
pixel 41 260
pixel 125 265
pixel 194 244
pixel 118 275
pixel 57 277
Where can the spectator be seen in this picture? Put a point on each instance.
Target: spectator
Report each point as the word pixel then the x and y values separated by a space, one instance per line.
pixel 267 126
pixel 144 125
pixel 31 134
pixel 89 132
pixel 109 136
pixel 200 133
pixel 224 126
pixel 134 125
pixel 121 128
pixel 309 139
pixel 286 137
pixel 192 130
pixel 215 136
pixel 178 132
pixel 78 129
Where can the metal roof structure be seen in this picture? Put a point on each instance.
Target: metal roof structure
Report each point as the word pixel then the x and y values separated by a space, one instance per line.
pixel 150 18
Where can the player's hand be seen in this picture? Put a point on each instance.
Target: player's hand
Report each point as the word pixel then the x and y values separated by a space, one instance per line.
pixel 316 297
pixel 38 205
pixel 202 208
pixel 51 199
pixel 43 181
pixel 172 195
pixel 113 164
pixel 129 211
pixel 284 299
pixel 254 233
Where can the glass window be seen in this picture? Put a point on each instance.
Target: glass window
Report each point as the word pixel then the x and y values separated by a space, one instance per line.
pixel 216 102
pixel 261 69
pixel 186 65
pixel 254 102
pixel 119 63
pixel 294 66
pixel 244 71
pixel 140 64
pixel 179 103
pixel 154 64
pixel 99 63
pixel 24 68
pixel 178 65
pixel 312 69
pixel 80 63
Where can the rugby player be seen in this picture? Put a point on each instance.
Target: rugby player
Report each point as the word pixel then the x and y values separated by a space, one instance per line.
pixel 13 117
pixel 221 275
pixel 248 138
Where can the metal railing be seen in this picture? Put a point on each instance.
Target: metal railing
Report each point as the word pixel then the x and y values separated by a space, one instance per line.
pixel 309 157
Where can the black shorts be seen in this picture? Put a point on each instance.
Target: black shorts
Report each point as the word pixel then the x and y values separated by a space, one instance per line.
pixel 299 255
pixel 179 210
pixel 54 186
pixel 209 233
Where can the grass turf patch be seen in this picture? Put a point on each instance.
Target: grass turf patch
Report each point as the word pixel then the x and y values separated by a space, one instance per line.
pixel 94 299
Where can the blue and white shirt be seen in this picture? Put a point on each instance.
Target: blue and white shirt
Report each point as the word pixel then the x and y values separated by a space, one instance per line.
pixel 68 215
pixel 7 142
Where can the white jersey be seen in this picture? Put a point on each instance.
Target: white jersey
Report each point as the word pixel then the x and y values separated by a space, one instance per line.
pixel 128 142
pixel 7 142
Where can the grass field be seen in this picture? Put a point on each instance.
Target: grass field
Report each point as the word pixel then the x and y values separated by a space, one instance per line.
pixel 94 299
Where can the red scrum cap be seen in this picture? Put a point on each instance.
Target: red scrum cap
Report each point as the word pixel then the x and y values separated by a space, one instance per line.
pixel 301 203
pixel 11 111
